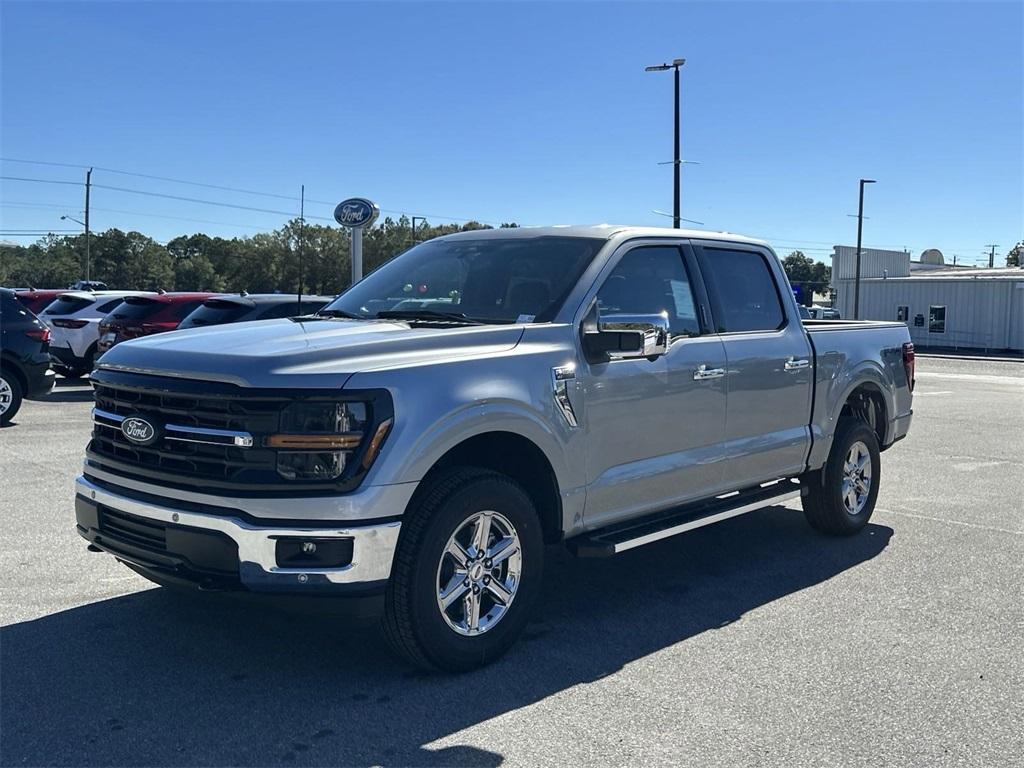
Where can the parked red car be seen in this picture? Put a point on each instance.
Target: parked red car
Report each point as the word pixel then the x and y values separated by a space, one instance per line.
pixel 36 300
pixel 138 316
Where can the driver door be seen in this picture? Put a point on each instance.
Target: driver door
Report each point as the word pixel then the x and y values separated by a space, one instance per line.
pixel 655 427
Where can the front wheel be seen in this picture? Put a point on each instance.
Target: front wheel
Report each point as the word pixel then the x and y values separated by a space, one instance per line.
pixel 839 500
pixel 466 573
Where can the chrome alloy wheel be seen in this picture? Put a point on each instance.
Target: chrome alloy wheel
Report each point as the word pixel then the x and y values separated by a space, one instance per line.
pixel 6 396
pixel 479 573
pixel 856 478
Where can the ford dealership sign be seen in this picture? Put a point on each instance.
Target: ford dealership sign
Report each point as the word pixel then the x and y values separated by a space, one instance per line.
pixel 356 212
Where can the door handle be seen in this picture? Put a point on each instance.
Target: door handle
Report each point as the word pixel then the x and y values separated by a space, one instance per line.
pixel 796 365
pixel 703 372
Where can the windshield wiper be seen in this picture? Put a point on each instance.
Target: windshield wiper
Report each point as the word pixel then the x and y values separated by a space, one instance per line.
pixel 427 314
pixel 339 313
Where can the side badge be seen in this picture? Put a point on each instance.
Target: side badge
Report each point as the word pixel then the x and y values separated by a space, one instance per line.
pixel 560 378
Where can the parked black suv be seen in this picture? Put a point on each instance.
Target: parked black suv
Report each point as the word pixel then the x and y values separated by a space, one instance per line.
pixel 24 355
pixel 252 306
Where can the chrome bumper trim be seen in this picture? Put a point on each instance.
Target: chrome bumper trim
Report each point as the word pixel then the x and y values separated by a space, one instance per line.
pixel 373 546
pixel 367 503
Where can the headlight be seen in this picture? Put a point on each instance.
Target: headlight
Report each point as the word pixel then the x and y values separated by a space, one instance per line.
pixel 318 441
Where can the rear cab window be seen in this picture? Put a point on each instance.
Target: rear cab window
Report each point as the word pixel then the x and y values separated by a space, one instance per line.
pixel 743 291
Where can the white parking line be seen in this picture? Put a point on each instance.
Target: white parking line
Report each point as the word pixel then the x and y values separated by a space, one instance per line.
pixel 951 522
pixel 986 377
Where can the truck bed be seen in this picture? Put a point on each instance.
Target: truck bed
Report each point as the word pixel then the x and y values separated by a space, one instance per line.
pixel 845 325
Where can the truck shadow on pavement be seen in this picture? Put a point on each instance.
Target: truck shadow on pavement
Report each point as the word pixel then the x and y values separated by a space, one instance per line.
pixel 156 678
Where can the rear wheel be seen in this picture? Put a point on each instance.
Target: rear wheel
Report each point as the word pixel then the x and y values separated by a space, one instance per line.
pixel 466 573
pixel 840 499
pixel 10 396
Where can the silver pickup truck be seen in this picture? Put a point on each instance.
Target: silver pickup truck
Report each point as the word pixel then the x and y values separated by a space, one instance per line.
pixel 417 445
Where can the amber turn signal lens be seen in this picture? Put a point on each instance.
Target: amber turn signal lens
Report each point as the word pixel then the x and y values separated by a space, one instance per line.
pixel 376 442
pixel 343 442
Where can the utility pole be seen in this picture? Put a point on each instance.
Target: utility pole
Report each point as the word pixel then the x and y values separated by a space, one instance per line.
pixel 88 187
pixel 676 162
pixel 991 255
pixel 302 232
pixel 860 227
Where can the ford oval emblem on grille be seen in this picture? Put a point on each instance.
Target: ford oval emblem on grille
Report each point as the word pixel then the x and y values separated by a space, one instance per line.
pixel 138 430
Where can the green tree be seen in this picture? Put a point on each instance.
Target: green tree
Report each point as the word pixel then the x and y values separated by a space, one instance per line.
pixel 1013 258
pixel 807 275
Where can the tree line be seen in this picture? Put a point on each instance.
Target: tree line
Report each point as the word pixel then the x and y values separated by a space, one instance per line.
pixel 267 262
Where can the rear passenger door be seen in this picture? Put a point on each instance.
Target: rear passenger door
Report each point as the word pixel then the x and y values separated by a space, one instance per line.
pixel 769 368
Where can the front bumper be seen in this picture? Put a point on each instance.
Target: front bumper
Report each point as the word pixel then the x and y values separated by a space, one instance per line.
pixel 172 543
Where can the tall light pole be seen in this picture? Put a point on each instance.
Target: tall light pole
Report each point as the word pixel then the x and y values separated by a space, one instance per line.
pixel 860 227
pixel 88 187
pixel 675 65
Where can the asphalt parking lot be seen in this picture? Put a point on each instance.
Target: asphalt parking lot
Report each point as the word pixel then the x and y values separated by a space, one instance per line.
pixel 753 642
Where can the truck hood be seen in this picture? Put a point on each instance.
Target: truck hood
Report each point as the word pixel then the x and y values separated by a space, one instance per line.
pixel 312 353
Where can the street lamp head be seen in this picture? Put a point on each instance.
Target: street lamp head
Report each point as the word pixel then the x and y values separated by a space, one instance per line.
pixel 676 63
pixel 868 181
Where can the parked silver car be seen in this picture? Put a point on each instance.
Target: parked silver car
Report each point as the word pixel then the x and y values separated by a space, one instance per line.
pixel 601 387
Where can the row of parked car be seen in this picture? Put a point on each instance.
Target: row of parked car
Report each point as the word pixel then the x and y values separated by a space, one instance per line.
pixel 65 331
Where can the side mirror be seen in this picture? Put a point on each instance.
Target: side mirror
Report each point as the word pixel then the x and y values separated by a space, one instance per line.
pixel 624 337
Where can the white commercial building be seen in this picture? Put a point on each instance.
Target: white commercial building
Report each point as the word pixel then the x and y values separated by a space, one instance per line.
pixel 962 308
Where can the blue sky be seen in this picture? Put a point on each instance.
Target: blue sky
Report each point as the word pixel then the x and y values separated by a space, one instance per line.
pixel 531 112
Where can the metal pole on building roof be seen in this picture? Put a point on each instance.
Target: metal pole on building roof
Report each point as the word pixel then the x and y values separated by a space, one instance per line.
pixel 860 227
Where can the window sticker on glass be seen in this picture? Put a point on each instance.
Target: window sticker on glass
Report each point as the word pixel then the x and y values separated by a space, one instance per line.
pixel 683 298
pixel 525 318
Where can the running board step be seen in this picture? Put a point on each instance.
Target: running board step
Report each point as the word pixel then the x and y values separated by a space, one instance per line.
pixel 606 542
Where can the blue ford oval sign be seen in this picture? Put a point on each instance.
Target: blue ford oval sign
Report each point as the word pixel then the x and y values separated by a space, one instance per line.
pixel 356 212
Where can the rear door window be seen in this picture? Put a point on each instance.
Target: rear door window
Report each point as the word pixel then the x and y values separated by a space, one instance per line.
pixel 743 291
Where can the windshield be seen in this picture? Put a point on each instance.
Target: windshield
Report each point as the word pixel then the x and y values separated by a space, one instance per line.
pixel 490 280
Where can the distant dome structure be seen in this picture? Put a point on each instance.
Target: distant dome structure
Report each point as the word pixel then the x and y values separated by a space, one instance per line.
pixel 933 256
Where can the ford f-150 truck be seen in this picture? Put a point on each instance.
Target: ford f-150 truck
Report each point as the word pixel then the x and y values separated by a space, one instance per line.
pixel 417 445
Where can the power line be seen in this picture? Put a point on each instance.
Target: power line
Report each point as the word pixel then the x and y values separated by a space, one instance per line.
pixel 230 189
pixel 42 181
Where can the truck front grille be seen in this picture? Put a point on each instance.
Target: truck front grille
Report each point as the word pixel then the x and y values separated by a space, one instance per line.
pixel 209 436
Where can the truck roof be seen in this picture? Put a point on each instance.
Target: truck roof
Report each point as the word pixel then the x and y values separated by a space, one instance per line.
pixel 602 231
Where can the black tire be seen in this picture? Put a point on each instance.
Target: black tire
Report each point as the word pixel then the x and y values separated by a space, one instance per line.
pixel 413 622
pixel 69 373
pixel 10 390
pixel 823 502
